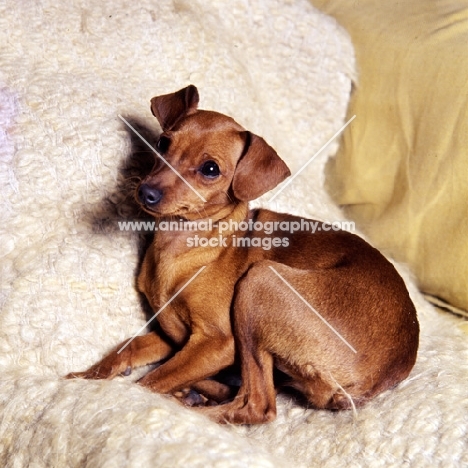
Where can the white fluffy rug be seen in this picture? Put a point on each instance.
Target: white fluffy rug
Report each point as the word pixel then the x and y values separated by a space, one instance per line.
pixel 67 69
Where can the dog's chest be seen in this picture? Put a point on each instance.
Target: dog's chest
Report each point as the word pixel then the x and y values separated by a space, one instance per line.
pixel 163 282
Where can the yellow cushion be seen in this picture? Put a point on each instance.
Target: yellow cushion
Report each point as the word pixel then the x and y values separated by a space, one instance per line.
pixel 402 169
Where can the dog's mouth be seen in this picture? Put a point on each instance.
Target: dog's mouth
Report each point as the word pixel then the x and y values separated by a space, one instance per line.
pixel 151 200
pixel 188 213
pixel 176 214
pixel 159 210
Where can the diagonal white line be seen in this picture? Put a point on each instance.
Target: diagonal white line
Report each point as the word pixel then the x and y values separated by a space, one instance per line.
pixel 312 158
pixel 313 310
pixel 161 309
pixel 160 157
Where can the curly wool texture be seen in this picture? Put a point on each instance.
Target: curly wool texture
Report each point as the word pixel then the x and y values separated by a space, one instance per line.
pixel 67 296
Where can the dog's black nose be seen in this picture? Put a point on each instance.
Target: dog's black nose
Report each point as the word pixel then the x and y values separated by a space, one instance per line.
pixel 149 196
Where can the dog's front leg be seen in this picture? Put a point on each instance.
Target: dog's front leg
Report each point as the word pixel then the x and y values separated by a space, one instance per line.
pixel 142 350
pixel 200 358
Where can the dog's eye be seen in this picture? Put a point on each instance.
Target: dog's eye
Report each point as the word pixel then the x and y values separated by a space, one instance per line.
pixel 163 144
pixel 210 169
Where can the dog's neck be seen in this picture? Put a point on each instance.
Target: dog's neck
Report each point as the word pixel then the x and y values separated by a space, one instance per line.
pixel 175 239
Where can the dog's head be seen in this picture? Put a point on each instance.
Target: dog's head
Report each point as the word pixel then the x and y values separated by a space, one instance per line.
pixel 210 162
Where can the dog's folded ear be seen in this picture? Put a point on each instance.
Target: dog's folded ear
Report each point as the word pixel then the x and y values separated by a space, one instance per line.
pixel 259 169
pixel 169 108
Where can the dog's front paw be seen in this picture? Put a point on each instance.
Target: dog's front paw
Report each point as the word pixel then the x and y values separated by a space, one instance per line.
pixel 111 366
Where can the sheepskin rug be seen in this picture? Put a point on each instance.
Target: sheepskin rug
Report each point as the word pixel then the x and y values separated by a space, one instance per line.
pixel 67 70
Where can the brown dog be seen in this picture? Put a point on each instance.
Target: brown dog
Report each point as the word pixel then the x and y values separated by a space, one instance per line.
pixel 325 308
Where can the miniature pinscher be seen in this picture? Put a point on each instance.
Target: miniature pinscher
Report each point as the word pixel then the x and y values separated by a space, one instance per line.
pixel 325 308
